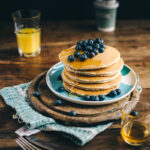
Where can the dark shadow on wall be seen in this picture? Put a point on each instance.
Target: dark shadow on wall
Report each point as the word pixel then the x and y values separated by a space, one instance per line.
pixel 73 9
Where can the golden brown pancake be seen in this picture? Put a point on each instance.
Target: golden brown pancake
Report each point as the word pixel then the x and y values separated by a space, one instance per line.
pixel 105 59
pixel 92 87
pixel 82 92
pixel 87 79
pixel 108 71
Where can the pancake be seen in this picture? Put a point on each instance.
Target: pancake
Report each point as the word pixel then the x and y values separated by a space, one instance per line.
pixel 82 92
pixel 102 60
pixel 108 71
pixel 87 79
pixel 92 87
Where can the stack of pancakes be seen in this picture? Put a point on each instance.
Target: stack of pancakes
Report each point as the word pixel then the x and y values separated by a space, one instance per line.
pixel 95 76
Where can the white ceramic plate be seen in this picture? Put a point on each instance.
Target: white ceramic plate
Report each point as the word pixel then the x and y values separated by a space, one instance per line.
pixel 127 85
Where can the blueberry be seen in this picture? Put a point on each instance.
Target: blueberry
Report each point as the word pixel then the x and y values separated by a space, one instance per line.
pixel 89 48
pixel 95 51
pixel 134 113
pixel 94 98
pixel 113 93
pixel 79 43
pixel 101 97
pixel 97 98
pixel 84 42
pixel 36 94
pixel 118 91
pixel 71 58
pixel 78 47
pixel 91 54
pixel 101 50
pixel 83 46
pixel 73 113
pixel 58 102
pixel 96 45
pixel 98 40
pixel 90 41
pixel 102 45
pixel 59 77
pixel 102 42
pixel 86 97
pixel 76 54
pixel 86 52
pixel 83 57
pixel 61 89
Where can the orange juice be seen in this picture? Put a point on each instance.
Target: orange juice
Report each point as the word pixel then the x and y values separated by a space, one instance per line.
pixel 29 40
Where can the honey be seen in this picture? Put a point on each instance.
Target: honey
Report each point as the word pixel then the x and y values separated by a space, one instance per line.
pixel 135 133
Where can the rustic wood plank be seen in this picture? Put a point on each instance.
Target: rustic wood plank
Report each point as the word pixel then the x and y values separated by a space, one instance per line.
pixel 131 38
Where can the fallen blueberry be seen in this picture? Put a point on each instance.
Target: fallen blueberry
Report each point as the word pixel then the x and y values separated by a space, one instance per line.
pixel 86 97
pixel 58 102
pixel 113 93
pixel 94 98
pixel 61 89
pixel 59 77
pixel 101 97
pixel 73 113
pixel 97 98
pixel 118 91
pixel 36 94
pixel 134 113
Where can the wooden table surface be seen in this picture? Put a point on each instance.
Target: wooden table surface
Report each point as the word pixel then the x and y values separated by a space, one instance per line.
pixel 131 38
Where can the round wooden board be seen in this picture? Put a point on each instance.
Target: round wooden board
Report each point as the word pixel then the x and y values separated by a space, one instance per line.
pixel 86 115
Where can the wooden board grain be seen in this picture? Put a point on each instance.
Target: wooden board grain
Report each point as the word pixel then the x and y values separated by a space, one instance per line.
pixel 86 115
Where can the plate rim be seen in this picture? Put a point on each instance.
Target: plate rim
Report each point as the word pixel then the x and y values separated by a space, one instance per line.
pixel 88 102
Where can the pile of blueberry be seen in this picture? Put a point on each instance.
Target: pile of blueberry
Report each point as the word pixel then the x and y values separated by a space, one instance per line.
pixel 89 49
pixel 113 93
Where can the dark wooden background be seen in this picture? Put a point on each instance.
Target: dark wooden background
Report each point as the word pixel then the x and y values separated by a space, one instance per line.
pixel 131 38
pixel 73 9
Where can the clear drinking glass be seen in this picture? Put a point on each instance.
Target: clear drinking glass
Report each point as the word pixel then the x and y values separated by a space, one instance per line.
pixel 135 129
pixel 28 32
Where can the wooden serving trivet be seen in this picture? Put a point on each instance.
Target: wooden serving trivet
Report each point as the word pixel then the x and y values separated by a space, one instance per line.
pixel 86 115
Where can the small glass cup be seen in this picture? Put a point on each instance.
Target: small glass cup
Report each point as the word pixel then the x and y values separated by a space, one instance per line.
pixel 135 129
pixel 28 32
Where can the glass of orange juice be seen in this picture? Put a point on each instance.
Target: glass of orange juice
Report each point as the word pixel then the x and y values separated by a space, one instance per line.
pixel 28 32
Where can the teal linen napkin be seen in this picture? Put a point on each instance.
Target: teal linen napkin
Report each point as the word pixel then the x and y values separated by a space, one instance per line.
pixel 16 98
